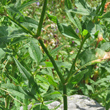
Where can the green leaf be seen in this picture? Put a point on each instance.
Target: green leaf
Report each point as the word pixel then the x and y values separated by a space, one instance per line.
pixel 78 77
pixel 68 4
pixel 74 20
pixel 3 31
pixel 85 32
pixel 71 15
pixel 25 4
pixel 2 53
pixel 87 56
pixel 35 52
pixel 40 107
pixel 102 80
pixel 27 77
pixel 106 16
pixel 81 11
pixel 82 8
pixel 52 18
pixel 18 3
pixel 51 81
pixel 106 66
pixel 90 55
pixel 105 46
pixel 15 90
pixel 90 88
pixel 93 28
pixel 28 22
pixel 53 52
pixel 67 31
pixel 53 95
pixel 63 64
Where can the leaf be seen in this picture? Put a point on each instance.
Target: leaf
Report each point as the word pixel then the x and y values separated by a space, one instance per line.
pixel 80 11
pixel 74 20
pixel 27 77
pixel 85 32
pixel 17 4
pixel 106 16
pixel 51 81
pixel 25 4
pixel 35 52
pixel 53 95
pixel 87 56
pixel 13 9
pixel 82 8
pixel 40 107
pixel 67 31
pixel 71 15
pixel 2 53
pixel 105 46
pixel 68 4
pixel 28 22
pixel 93 28
pixel 106 66
pixel 63 64
pixel 91 55
pixel 52 18
pixel 15 90
pixel 78 77
pixel 3 31
pixel 53 52
pixel 102 80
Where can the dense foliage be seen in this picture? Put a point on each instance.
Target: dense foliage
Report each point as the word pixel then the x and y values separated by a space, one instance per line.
pixel 50 49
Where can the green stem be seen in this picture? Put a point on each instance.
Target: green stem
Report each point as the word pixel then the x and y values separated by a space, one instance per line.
pixel 65 97
pixel 52 60
pixel 25 29
pixel 41 19
pixel 73 65
pixel 43 46
pixel 102 6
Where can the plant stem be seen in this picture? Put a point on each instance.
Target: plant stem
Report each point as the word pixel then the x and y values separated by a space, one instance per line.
pixel 41 19
pixel 65 97
pixel 42 44
pixel 102 6
pixel 25 29
pixel 52 60
pixel 73 65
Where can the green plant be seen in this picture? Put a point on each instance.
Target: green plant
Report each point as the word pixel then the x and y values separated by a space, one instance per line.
pixel 39 77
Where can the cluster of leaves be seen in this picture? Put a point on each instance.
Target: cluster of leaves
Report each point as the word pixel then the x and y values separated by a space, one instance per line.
pixel 28 76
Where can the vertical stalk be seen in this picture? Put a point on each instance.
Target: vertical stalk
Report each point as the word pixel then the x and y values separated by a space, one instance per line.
pixel 41 19
pixel 65 103
pixel 42 44
pixel 73 65
pixel 52 60
pixel 102 6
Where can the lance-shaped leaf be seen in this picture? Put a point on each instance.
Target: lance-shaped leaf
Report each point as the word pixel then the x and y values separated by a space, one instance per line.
pixel 106 16
pixel 35 52
pixel 105 46
pixel 67 31
pixel 15 90
pixel 82 7
pixel 71 15
pixel 2 53
pixel 27 76
pixel 91 56
pixel 78 77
